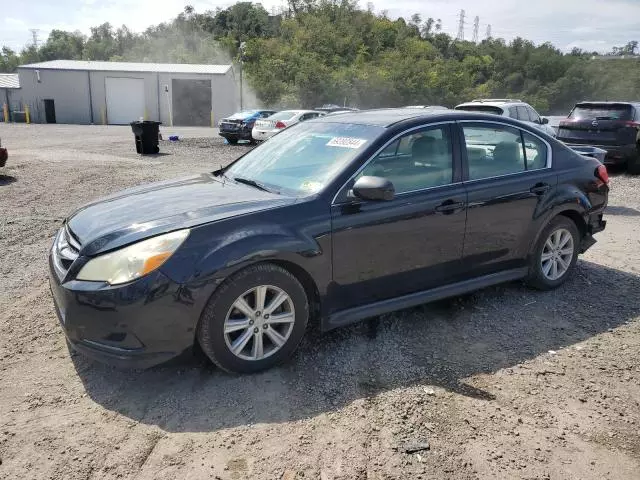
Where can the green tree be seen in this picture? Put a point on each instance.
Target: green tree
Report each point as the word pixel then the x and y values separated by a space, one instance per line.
pixel 9 61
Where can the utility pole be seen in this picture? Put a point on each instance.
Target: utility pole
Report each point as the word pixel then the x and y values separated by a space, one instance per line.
pixel 488 31
pixel 34 36
pixel 242 47
pixel 476 25
pixel 461 26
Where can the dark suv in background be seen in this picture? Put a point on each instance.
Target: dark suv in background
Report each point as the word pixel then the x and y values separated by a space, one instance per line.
pixel 239 125
pixel 612 126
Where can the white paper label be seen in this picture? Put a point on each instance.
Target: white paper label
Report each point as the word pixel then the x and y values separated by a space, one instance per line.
pixel 346 142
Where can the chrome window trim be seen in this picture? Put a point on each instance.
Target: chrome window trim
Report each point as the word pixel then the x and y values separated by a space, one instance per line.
pixel 377 152
pixel 449 122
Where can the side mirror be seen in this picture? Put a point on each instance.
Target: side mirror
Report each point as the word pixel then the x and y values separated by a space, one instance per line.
pixel 373 188
pixel 544 120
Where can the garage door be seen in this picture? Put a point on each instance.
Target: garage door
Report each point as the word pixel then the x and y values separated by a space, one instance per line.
pixel 125 99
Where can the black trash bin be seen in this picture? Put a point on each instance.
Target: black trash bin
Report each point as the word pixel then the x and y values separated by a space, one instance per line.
pixel 146 134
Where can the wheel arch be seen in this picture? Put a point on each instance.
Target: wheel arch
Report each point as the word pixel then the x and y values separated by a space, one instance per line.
pixel 573 214
pixel 300 273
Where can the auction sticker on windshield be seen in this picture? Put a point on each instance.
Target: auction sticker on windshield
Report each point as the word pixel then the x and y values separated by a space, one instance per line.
pixel 346 142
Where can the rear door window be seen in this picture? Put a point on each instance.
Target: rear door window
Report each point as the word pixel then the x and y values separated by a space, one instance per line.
pixel 493 150
pixel 594 111
pixel 535 152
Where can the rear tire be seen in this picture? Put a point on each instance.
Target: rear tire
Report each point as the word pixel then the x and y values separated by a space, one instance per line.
pixel 243 309
pixel 633 164
pixel 555 255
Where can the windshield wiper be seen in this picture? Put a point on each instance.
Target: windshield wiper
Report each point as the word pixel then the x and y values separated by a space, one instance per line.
pixel 253 183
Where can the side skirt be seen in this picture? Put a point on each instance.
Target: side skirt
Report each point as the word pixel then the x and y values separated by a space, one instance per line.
pixel 352 315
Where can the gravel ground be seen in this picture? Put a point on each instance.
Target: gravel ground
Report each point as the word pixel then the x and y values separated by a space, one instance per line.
pixel 504 383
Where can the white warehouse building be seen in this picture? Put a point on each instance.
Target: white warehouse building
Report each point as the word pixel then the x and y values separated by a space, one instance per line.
pixel 116 93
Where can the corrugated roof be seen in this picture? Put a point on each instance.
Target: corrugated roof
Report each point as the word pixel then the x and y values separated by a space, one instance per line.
pixel 9 80
pixel 129 67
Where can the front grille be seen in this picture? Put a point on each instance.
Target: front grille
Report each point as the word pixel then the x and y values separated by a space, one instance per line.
pixel 66 249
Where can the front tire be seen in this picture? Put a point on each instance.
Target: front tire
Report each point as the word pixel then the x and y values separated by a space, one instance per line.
pixel 555 255
pixel 255 319
pixel 231 141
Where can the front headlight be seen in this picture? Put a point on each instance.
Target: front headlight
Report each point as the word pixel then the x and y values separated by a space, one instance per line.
pixel 133 261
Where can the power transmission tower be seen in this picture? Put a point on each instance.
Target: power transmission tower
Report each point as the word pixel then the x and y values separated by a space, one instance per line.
pixel 461 26
pixel 489 31
pixel 34 35
pixel 476 25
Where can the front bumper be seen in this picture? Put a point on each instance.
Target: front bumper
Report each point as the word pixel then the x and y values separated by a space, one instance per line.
pixel 137 325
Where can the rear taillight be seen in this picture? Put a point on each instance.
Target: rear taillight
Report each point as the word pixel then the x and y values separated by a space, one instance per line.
pixel 280 124
pixel 602 174
pixel 631 123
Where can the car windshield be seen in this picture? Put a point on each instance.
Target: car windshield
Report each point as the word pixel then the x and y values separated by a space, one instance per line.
pixel 284 115
pixel 481 109
pixel 303 159
pixel 602 111
pixel 241 115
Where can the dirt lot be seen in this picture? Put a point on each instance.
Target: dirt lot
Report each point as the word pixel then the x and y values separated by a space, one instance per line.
pixel 505 383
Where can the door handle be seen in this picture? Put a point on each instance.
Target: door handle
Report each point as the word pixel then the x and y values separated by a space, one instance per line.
pixel 449 207
pixel 540 188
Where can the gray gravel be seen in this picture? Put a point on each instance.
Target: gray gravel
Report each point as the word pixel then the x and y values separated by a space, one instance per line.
pixel 504 383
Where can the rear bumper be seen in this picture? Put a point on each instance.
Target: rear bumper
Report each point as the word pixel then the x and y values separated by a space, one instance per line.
pixel 236 134
pixel 263 134
pixel 595 224
pixel 618 154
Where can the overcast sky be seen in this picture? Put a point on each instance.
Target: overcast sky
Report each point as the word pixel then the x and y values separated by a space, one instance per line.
pixel 588 24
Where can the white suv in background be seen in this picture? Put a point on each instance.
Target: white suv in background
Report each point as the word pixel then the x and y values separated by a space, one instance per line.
pixel 506 107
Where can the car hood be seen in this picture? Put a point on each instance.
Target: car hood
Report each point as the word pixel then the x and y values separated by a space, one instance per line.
pixel 141 212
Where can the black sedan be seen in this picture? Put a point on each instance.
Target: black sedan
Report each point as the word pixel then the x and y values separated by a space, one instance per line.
pixel 332 221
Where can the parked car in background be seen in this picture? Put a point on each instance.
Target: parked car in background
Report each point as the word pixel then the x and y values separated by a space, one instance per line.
pixel 505 107
pixel 239 125
pixel 331 221
pixel 612 126
pixel 428 107
pixel 4 155
pixel 331 108
pixel 264 129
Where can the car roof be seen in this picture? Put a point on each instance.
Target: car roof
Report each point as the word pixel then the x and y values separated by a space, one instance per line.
pixel 492 103
pixel 387 117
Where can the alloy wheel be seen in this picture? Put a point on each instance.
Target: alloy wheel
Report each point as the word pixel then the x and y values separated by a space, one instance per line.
pixel 557 254
pixel 259 322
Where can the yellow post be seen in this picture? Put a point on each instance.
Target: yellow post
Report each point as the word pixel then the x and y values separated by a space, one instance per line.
pixel 5 111
pixel 27 116
pixel 213 124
